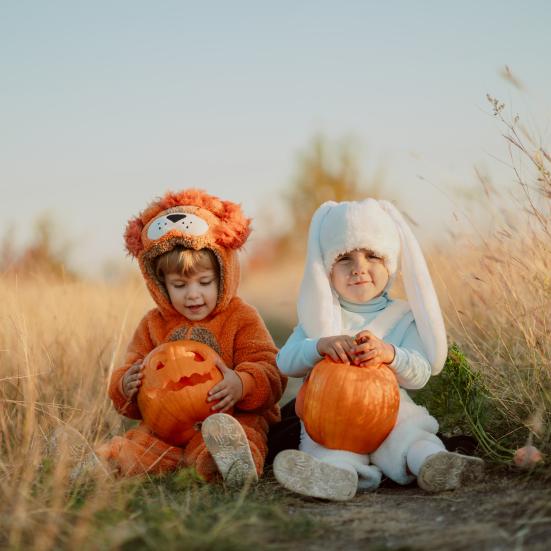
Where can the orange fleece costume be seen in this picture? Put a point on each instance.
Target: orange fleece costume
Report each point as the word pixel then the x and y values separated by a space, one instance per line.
pixel 234 329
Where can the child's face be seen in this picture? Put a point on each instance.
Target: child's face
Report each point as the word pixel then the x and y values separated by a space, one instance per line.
pixel 194 295
pixel 359 276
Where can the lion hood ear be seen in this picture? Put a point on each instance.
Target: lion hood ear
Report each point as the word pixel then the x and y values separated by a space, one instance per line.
pixel 133 236
pixel 235 227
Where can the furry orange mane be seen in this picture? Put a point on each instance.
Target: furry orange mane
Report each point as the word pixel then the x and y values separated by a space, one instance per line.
pixel 231 232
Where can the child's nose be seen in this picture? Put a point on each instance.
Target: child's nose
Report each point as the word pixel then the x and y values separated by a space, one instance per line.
pixel 193 290
pixel 359 267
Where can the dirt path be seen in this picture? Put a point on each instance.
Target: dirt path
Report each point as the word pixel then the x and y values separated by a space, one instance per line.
pixel 502 513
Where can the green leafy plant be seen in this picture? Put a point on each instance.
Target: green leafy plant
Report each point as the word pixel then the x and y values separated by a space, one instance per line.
pixel 461 402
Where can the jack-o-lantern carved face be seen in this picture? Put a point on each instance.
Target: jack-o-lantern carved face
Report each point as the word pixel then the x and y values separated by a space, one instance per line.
pixel 173 395
pixel 348 407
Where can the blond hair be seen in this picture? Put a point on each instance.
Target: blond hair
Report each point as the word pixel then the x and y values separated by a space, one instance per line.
pixel 185 262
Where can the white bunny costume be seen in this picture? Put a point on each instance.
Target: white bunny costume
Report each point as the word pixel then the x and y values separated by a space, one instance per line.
pixel 415 328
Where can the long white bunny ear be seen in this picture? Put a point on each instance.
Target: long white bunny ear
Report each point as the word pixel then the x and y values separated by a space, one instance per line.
pixel 420 292
pixel 318 309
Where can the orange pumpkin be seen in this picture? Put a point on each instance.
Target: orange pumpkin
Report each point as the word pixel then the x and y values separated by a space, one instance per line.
pixel 348 407
pixel 173 394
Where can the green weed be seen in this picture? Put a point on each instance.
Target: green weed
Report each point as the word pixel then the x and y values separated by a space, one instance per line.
pixel 462 404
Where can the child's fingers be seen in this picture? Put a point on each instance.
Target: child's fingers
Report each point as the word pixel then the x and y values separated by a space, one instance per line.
pixel 340 353
pixel 333 355
pixel 223 405
pixel 221 366
pixel 369 360
pixel 134 368
pixel 372 361
pixel 218 392
pixel 363 337
pixel 369 364
pixel 216 388
pixel 348 344
pixel 363 348
pixel 134 386
pixel 367 355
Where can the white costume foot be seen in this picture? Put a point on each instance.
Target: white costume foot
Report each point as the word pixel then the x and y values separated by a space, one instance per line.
pixel 301 473
pixel 227 443
pixel 448 471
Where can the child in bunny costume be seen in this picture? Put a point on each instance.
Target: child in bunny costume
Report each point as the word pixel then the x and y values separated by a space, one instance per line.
pixel 353 253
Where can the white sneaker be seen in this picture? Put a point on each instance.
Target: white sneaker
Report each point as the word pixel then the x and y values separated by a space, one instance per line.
pixel 68 440
pixel 82 459
pixel 301 473
pixel 448 470
pixel 227 443
pixel 90 467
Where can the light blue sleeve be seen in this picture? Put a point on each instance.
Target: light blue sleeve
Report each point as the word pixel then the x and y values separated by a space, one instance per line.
pixel 410 363
pixel 298 355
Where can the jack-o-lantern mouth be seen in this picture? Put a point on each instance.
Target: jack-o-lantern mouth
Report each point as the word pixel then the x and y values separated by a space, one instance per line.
pixel 186 380
pixel 183 382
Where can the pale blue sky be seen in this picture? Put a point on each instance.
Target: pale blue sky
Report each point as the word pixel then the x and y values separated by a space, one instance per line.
pixel 105 105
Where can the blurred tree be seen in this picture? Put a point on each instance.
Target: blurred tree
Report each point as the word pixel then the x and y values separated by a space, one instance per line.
pixel 45 254
pixel 326 172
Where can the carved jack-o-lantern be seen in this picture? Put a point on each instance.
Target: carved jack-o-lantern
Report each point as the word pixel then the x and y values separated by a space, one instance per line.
pixel 348 407
pixel 173 394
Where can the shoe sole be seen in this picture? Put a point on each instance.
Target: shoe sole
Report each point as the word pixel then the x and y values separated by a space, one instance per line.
pixel 227 443
pixel 301 473
pixel 69 439
pixel 448 471
pixel 79 451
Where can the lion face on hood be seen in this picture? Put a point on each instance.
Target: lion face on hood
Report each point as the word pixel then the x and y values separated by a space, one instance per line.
pixel 195 220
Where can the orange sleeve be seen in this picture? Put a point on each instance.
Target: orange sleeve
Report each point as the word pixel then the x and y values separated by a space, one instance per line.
pixel 254 360
pixel 140 345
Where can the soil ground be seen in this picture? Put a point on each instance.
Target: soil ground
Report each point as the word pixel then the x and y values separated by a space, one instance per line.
pixel 504 512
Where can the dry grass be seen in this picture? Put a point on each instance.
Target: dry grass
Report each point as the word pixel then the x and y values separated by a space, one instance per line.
pixel 58 343
pixel 496 288
pixel 497 298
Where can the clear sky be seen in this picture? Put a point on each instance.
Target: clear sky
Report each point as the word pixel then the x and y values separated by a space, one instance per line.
pixel 106 104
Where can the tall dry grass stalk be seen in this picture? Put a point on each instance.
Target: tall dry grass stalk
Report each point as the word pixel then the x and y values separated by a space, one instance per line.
pixel 495 287
pixel 58 343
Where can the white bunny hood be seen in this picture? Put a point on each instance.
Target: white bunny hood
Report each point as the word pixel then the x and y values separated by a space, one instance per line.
pixel 337 228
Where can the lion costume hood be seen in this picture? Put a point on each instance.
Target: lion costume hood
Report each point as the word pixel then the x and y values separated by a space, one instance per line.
pixel 193 219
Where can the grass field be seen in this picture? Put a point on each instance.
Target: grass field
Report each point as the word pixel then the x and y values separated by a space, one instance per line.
pixel 60 338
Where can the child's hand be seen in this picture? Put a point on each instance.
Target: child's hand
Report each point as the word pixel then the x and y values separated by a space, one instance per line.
pixel 371 350
pixel 339 348
pixel 228 391
pixel 132 380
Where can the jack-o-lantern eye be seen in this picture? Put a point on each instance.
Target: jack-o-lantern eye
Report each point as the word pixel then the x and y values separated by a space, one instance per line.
pixel 197 357
pixel 160 365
